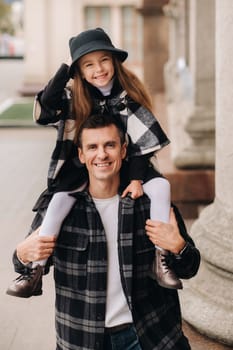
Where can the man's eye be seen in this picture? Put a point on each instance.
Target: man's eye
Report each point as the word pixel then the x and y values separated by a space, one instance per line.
pixel 111 145
pixel 91 147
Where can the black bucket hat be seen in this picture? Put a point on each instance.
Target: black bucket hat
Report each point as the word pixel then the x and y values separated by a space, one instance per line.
pixel 89 41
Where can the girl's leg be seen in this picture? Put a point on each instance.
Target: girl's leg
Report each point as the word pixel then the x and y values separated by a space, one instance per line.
pixel 30 283
pixel 158 190
pixel 58 209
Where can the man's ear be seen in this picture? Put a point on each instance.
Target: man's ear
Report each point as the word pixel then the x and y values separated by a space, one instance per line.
pixel 123 150
pixel 80 155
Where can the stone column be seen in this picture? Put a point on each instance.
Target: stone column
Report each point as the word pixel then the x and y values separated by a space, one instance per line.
pixel 155 43
pixel 178 82
pixel 35 29
pixel 200 125
pixel 46 45
pixel 207 300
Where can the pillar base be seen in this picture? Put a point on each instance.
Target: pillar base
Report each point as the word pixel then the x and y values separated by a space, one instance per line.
pixel 201 129
pixel 195 158
pixel 206 304
pixel 207 300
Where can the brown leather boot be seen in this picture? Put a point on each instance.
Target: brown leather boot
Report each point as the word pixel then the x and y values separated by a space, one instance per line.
pixel 27 285
pixel 163 274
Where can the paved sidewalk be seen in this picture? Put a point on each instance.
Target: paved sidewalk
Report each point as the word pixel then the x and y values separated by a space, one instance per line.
pixel 28 324
pixel 25 324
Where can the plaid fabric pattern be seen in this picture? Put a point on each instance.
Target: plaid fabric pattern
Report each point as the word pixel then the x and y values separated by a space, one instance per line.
pixel 80 270
pixel 143 129
pixel 65 149
pixel 145 134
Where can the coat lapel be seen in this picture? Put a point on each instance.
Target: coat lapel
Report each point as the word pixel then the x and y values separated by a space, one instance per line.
pixel 125 245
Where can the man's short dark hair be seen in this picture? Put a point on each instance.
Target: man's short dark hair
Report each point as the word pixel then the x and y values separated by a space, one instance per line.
pixel 96 121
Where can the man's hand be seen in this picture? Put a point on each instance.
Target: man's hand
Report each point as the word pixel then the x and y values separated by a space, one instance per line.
pixel 35 248
pixel 165 235
pixel 135 188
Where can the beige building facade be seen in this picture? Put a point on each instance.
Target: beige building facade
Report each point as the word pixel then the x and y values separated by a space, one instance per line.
pixel 49 24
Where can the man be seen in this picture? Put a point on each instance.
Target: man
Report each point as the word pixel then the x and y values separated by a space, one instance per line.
pixel 106 296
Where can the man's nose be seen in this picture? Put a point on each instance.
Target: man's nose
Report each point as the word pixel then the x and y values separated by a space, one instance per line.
pixel 102 152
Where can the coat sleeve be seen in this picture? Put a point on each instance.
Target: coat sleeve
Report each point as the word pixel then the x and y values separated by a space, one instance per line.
pixel 137 168
pixel 187 263
pixel 140 168
pixel 51 104
pixel 146 135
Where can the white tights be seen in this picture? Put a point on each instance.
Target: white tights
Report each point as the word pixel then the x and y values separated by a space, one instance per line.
pixel 59 207
pixel 158 190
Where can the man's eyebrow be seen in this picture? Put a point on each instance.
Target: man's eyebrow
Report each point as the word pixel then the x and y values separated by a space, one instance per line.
pixel 91 144
pixel 112 141
pixel 105 143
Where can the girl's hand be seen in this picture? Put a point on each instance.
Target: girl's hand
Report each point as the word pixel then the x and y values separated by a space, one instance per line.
pixel 135 188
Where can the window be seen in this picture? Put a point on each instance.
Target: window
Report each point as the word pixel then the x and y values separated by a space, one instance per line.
pixel 98 17
pixel 132 33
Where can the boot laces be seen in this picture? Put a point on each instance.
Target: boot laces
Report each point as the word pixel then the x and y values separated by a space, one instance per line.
pixel 164 263
pixel 27 276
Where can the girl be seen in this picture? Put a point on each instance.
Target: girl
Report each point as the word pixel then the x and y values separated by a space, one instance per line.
pixel 101 84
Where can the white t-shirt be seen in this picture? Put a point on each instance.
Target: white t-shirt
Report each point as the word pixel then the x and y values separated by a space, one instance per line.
pixel 117 310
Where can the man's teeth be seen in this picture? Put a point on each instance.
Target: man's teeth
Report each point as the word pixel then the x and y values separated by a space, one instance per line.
pixel 102 164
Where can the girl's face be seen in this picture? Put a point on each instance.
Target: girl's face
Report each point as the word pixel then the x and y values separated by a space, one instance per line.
pixel 97 68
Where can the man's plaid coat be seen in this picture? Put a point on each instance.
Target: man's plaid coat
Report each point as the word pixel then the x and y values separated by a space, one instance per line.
pixel 80 268
pixel 80 273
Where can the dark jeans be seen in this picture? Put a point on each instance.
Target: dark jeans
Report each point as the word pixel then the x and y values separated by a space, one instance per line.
pixel 126 339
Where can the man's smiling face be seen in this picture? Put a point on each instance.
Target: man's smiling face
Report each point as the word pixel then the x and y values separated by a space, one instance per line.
pixel 102 153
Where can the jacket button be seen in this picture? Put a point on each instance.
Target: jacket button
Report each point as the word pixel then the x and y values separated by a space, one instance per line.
pixel 121 106
pixel 97 345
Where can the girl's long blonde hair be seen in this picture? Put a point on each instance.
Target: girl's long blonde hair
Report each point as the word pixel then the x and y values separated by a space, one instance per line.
pixel 82 101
